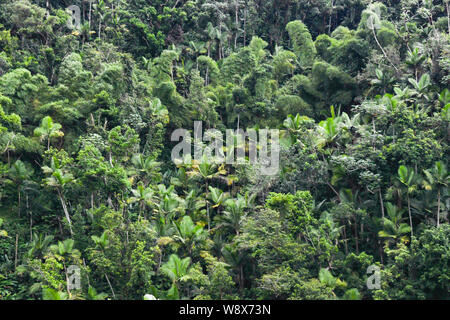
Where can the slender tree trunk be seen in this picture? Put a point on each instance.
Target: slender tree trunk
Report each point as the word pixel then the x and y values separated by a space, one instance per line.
pixel 17 245
pixel 345 242
pixel 47 6
pixel 380 247
pixel 110 286
pixel 207 206
pixel 175 4
pixel 381 203
pixel 410 218
pixel 60 227
pixel 90 10
pixel 448 16
pixel 220 41
pixel 99 28
pixel 382 50
pixel 439 200
pixel 245 26
pixel 236 22
pixel 361 232
pixel 31 219
pixel 109 201
pixel 329 19
pixel 241 278
pixel 66 212
pixel 18 195
pixel 67 281
pixel 89 283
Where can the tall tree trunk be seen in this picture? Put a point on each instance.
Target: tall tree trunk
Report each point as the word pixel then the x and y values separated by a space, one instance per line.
pixel 207 206
pixel 16 251
pixel 410 218
pixel 245 25
pixel 236 22
pixel 241 278
pixel 329 19
pixel 47 6
pixel 448 16
pixel 382 50
pixel 439 200
pixel 31 218
pixel 380 247
pixel 381 203
pixel 345 242
pixel 66 212
pixel 90 10
pixel 67 281
pixel 18 195
pixel 356 237
pixel 110 286
pixel 99 28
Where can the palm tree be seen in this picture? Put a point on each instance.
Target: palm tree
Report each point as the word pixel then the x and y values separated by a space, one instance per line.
pixel 58 179
pixel 93 295
pixel 169 202
pixel 163 227
pixel 206 170
pixel 146 167
pixel 414 60
pixel 438 177
pixel 39 245
pixel 383 81
pixel 64 248
pixel 47 130
pixel 408 179
pixel 328 129
pixel 236 259
pixel 65 251
pixel 182 178
pixel 52 294
pixel 218 197
pixel 403 94
pixel 326 278
pixel 352 294
pixel 188 233
pixel 293 126
pixel 234 214
pixel 393 228
pixel 19 173
pixel 421 86
pixel 143 196
pixel 193 202
pixel 102 241
pixel 178 271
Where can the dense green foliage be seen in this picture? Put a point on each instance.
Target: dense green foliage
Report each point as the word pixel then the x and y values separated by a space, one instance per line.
pixel 359 90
